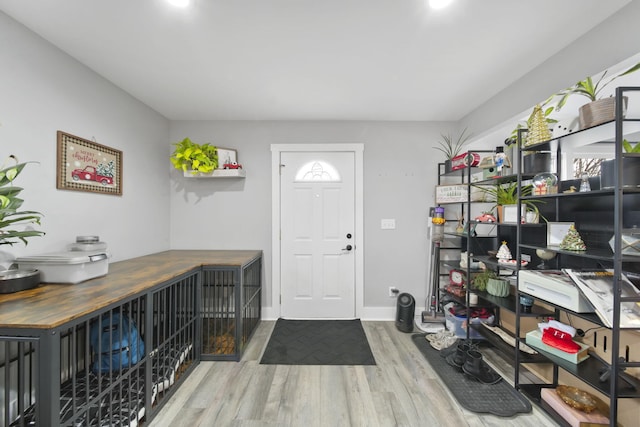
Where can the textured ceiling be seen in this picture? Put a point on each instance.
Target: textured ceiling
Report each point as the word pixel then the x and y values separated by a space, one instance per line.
pixel 311 59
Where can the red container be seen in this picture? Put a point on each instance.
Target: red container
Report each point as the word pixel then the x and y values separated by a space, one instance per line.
pixel 464 160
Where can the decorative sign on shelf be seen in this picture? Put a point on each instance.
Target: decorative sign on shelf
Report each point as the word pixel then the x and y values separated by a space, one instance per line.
pixel 451 193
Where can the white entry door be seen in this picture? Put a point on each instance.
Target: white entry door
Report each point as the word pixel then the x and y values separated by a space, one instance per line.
pixel 317 214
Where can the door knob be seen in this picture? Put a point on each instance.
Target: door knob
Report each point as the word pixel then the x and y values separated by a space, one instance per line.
pixel 347 248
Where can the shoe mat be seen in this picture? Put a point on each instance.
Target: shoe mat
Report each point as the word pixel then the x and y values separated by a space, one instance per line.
pixel 499 399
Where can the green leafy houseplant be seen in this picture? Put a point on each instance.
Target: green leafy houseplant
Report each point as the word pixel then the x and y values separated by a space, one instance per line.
pixel 630 166
pixel 450 146
pixel 507 194
pixel 480 280
pixel 590 89
pixel 197 158
pixel 12 220
pixel 628 148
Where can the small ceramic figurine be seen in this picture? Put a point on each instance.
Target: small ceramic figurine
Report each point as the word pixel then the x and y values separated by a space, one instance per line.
pixel 504 253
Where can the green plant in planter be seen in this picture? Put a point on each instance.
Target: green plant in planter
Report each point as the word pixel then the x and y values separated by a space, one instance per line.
pixel 189 156
pixel 450 146
pixel 507 194
pixel 628 148
pixel 10 203
pixel 480 280
pixel 590 89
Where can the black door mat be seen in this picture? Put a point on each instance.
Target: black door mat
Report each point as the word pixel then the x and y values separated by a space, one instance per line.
pixel 318 342
pixel 499 399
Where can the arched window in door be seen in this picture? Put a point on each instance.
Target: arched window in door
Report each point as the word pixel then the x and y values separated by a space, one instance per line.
pixel 317 171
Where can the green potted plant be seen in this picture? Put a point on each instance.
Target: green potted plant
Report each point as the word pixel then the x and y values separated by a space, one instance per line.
pixel 15 227
pixel 192 158
pixel 598 110
pixel 452 147
pixel 479 281
pixel 630 168
pixel 10 203
pixel 507 194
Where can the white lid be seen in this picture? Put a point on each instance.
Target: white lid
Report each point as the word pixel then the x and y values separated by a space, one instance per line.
pixel 75 257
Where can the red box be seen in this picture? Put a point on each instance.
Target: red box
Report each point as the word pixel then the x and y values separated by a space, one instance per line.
pixel 464 160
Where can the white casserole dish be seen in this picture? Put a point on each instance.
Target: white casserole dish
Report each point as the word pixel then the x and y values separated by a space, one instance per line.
pixel 67 267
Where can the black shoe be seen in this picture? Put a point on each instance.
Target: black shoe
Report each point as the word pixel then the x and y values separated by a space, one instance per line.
pixel 449 350
pixel 458 358
pixel 478 369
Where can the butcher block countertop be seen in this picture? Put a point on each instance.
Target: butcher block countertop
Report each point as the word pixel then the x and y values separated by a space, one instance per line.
pixel 51 305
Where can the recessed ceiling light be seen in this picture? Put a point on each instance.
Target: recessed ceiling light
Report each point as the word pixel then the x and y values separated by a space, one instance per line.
pixel 179 3
pixel 439 4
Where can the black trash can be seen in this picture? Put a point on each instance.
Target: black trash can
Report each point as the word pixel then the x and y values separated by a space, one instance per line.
pixel 405 312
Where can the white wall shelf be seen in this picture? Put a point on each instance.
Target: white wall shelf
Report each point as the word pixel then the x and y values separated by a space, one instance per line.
pixel 218 173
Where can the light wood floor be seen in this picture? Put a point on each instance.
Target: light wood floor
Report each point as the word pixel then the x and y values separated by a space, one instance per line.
pixel 401 390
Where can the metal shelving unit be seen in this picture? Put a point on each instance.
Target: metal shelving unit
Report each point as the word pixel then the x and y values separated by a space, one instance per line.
pixel 601 213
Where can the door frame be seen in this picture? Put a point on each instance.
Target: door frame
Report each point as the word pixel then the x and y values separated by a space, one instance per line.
pixel 276 283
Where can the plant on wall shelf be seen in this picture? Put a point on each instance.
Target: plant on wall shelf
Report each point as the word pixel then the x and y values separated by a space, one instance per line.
pixel 12 220
pixel 197 158
pixel 450 146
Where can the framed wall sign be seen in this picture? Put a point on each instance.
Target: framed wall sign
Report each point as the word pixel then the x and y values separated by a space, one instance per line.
pixel 85 165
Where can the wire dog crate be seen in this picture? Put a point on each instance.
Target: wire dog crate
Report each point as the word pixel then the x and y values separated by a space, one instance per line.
pixel 96 388
pixel 112 350
pixel 230 308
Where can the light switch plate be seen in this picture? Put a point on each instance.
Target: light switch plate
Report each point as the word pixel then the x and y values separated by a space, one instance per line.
pixel 388 224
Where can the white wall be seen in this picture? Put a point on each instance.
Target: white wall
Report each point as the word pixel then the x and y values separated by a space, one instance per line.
pixel 43 90
pixel 400 174
pixel 609 44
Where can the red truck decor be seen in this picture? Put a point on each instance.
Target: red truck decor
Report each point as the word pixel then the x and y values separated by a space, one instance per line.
pixel 232 165
pixel 89 173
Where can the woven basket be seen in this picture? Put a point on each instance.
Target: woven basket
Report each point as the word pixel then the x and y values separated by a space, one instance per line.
pixel 600 111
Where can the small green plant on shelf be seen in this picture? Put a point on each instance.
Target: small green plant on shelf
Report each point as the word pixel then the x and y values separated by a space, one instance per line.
pixel 13 221
pixel 507 194
pixel 196 158
pixel 628 148
pixel 450 146
pixel 504 194
pixel 479 281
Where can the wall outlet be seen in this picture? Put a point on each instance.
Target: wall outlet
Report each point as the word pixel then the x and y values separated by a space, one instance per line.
pixel 393 292
pixel 388 224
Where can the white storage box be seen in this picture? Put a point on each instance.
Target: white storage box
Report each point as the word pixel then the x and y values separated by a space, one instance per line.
pixel 67 267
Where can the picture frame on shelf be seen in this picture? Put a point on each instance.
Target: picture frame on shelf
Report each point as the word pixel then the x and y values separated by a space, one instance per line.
pixel 226 156
pixel 556 232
